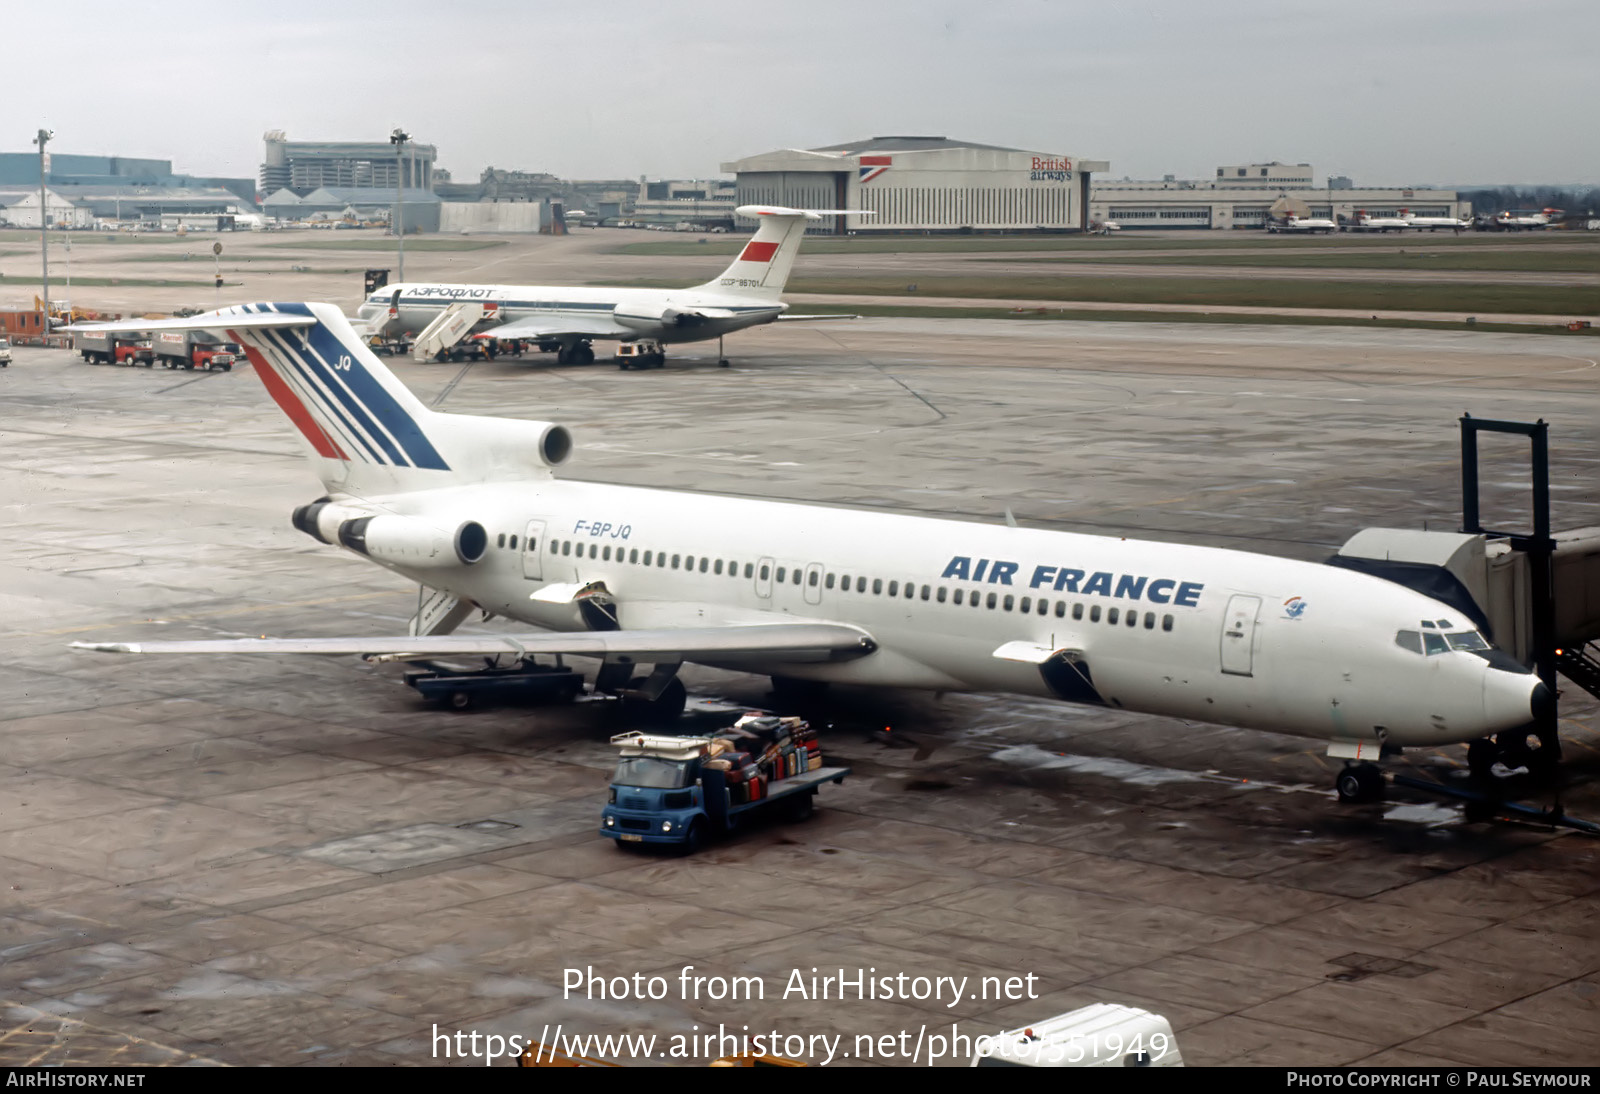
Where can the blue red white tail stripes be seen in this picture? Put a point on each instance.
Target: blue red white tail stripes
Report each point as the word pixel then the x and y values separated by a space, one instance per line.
pixel 343 409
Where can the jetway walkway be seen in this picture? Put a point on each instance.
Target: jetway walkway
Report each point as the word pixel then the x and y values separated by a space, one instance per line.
pixel 1536 595
pixel 1492 584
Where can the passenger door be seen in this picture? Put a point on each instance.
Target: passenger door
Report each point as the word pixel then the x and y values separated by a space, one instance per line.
pixel 1239 635
pixel 813 585
pixel 533 552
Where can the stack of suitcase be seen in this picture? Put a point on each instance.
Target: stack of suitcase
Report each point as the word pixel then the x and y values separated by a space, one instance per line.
pixel 762 749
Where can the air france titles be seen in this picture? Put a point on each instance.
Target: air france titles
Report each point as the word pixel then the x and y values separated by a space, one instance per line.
pixel 1161 590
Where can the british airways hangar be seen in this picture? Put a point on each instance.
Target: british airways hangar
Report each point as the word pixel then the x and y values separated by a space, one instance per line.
pixel 923 184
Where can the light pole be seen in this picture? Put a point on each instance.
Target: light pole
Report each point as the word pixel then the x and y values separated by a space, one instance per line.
pixel 44 237
pixel 398 138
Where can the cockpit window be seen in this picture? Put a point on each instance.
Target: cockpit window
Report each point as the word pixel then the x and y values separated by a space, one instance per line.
pixel 1428 642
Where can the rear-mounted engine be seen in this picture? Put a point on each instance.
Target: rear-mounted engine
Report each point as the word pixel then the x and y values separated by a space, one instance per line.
pixel 406 541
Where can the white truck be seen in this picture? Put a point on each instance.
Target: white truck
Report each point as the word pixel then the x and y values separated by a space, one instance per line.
pixel 1100 1035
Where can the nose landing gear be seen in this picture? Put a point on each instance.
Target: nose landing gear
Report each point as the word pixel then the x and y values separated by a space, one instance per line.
pixel 1362 782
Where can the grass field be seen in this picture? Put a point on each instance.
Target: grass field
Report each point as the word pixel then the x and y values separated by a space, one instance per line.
pixel 729 245
pixel 59 286
pixel 92 239
pixel 386 244
pixel 1244 292
pixel 1525 260
pixel 911 311
pixel 1239 292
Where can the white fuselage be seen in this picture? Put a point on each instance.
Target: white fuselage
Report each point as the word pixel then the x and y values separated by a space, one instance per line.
pixel 1303 224
pixel 1189 632
pixel 648 313
pixel 1432 223
pixel 1381 224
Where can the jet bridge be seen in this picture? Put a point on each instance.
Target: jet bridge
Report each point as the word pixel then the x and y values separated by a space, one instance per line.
pixel 1537 596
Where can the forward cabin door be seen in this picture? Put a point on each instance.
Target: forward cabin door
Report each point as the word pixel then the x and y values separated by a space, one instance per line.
pixel 1239 635
pixel 533 552
pixel 813 585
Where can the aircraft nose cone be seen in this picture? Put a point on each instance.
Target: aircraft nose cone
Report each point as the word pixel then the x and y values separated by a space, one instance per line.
pixel 1542 703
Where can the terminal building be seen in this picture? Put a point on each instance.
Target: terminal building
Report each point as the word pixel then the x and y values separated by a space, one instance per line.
pixel 302 167
pixel 1243 195
pixel 923 184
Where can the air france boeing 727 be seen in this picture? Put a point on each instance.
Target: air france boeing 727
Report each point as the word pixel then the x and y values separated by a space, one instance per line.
pixel 746 294
pixel 469 508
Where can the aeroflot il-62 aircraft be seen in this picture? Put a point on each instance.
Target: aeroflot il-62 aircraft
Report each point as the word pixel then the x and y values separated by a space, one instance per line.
pixel 468 506
pixel 746 294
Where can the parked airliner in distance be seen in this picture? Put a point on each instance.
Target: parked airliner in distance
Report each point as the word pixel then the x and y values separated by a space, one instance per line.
pixel 1434 223
pixel 468 507
pixel 569 318
pixel 1293 223
pixel 1369 222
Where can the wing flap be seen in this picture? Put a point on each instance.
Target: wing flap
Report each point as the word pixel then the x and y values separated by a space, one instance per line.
pixel 557 326
pixel 786 641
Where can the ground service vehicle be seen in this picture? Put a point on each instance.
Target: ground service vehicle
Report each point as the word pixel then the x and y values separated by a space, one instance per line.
pixel 645 353
pixel 104 348
pixel 673 790
pixel 193 349
pixel 1099 1035
pixel 526 681
pixel 5 352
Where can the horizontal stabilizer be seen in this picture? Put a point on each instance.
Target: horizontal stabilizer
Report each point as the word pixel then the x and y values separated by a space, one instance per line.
pixel 809 214
pixel 211 320
pixel 784 641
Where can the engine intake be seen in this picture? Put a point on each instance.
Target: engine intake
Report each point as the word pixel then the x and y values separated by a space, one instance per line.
pixel 406 541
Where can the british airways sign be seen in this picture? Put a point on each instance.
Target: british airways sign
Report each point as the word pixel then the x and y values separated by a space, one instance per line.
pixel 1160 590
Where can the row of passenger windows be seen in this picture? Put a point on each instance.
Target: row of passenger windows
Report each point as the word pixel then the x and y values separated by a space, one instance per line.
pixel 845 583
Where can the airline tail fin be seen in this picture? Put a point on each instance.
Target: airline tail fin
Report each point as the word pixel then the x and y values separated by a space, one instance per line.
pixel 364 431
pixel 762 268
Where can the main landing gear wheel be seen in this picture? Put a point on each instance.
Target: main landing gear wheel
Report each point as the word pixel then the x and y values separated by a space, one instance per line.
pixel 663 710
pixel 1360 783
pixel 580 354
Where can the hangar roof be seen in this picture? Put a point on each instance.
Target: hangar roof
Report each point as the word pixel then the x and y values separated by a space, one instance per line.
pixel 907 144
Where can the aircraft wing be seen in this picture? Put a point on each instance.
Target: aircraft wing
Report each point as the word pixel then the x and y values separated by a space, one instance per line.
pixel 813 318
pixel 739 642
pixel 601 326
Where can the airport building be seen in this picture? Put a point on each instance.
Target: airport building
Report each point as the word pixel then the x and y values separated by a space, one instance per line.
pixel 99 206
pixel 1243 195
pixel 305 166
pixel 108 174
pixel 923 184
pixel 355 205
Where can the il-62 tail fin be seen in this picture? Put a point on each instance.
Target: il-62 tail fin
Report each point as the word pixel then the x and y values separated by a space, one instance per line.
pixel 364 431
pixel 762 268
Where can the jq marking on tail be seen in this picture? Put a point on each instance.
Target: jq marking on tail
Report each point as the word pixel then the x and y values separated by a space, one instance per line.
pixel 338 404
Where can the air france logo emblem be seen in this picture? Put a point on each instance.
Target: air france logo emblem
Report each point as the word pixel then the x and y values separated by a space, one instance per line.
pixel 1294 607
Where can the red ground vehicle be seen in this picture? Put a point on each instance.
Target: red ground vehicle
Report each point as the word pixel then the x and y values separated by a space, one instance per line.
pixel 194 349
pixel 105 348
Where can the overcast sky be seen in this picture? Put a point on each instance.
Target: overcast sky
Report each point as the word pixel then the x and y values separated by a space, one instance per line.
pixel 1390 93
